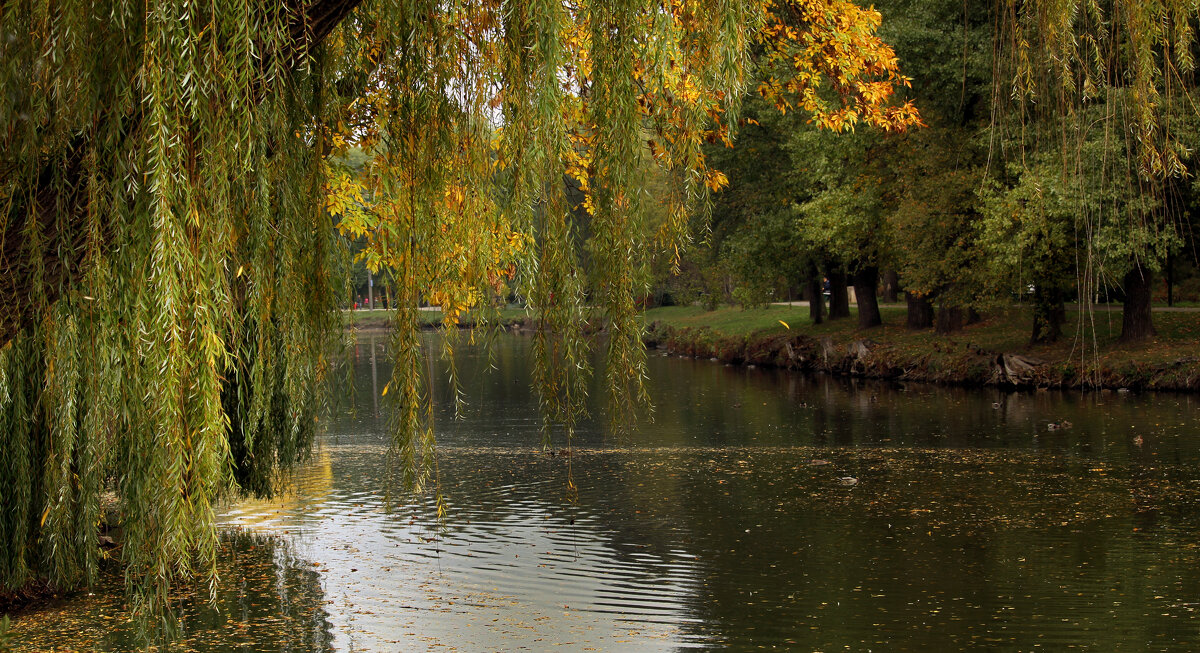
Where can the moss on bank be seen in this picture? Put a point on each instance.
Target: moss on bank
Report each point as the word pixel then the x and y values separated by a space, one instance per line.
pixel 995 351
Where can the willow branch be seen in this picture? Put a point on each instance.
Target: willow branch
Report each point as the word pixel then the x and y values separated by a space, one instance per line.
pixel 64 240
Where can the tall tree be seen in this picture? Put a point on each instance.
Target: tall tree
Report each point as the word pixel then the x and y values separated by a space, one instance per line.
pixel 844 218
pixel 1029 238
pixel 930 176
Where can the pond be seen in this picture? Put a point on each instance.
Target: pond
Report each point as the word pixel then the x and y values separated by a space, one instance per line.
pixel 759 509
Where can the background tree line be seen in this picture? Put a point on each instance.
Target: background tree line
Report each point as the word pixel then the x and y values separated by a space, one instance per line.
pixel 1031 181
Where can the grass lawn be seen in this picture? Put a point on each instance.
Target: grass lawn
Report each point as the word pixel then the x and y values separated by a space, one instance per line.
pixel 1002 330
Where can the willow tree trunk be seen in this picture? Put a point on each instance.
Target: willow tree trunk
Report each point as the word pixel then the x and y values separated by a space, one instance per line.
pixel 1137 323
pixel 891 286
pixel 816 303
pixel 839 297
pixel 866 284
pixel 920 311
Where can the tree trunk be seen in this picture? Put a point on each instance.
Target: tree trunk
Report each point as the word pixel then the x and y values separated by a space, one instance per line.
pixel 1049 314
pixel 839 298
pixel 866 283
pixel 816 303
pixel 950 319
pixel 891 286
pixel 1170 280
pixel 920 311
pixel 1136 322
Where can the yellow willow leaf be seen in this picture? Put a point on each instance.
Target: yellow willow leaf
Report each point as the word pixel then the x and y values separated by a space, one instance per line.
pixel 385 389
pixel 785 325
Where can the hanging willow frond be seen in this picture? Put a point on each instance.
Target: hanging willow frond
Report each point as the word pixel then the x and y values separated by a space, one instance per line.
pixel 149 151
pixel 1103 91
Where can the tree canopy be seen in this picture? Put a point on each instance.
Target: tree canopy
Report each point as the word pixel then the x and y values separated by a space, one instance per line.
pixel 1055 166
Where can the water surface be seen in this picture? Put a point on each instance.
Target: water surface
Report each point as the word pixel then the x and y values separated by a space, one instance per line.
pixel 758 510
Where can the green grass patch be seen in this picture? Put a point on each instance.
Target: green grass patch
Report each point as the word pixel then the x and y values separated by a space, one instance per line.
pixel 1087 338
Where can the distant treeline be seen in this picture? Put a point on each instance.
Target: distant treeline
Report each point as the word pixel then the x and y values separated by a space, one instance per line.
pixel 1052 169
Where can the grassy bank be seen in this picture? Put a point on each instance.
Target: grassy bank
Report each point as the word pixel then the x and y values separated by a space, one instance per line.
pixel 995 351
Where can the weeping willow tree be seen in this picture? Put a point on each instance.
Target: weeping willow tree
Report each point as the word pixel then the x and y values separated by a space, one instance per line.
pixel 1105 91
pixel 169 277
pixel 173 212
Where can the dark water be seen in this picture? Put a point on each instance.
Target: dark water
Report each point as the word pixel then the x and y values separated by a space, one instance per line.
pixel 758 510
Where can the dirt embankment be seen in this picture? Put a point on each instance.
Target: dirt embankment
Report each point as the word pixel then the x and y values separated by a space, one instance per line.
pixel 937 361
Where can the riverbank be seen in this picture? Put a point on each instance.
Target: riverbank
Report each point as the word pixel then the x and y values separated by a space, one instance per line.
pixel 995 351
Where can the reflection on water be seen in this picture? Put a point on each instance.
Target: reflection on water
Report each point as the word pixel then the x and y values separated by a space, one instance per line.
pixel 757 510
